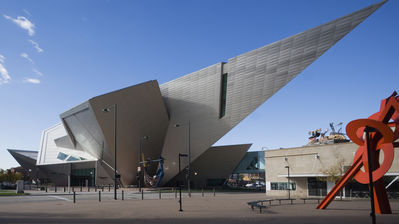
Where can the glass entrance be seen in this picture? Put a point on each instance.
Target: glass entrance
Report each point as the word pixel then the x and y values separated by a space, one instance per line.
pixel 80 176
pixel 316 187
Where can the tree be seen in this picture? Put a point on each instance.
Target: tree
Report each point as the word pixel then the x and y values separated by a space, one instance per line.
pixel 334 172
pixel 2 175
pixel 8 176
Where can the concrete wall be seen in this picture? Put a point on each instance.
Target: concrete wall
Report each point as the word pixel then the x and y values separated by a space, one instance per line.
pixel 310 161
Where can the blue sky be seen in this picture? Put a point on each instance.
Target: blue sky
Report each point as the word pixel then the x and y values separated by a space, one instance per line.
pixel 57 54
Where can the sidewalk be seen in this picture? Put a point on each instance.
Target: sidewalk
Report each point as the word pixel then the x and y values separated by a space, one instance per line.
pixel 224 208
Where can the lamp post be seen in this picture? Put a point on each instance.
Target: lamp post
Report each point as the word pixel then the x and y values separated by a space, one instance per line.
pixel 139 167
pixel 180 201
pixel 264 148
pixel 289 186
pixel 369 130
pixel 108 109
pixel 189 156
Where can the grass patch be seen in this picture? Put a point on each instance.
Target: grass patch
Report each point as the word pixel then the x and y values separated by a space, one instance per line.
pixel 10 193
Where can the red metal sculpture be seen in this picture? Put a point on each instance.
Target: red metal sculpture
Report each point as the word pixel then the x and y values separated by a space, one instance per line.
pixel 382 138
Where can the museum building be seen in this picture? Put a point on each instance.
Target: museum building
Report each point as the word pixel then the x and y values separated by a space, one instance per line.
pixel 142 133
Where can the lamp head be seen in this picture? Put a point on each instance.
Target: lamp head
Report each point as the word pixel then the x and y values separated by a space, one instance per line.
pixel 106 110
pixel 176 125
pixel 287 167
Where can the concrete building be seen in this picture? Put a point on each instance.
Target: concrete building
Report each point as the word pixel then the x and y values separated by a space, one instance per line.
pixel 184 116
pixel 312 170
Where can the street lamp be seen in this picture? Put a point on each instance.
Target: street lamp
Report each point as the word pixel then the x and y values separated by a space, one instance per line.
pixel 189 156
pixel 139 167
pixel 180 201
pixel 289 186
pixel 369 130
pixel 106 110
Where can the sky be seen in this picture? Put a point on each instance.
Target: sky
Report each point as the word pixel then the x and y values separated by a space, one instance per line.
pixel 56 54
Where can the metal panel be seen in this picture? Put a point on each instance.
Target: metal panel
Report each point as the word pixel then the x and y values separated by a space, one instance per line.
pixel 56 173
pixel 141 112
pixel 49 149
pixel 83 125
pixel 253 78
pixel 217 162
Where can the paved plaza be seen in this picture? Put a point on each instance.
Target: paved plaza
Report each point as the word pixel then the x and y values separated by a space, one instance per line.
pixel 222 208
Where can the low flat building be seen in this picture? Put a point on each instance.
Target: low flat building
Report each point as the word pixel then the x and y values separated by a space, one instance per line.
pixel 313 170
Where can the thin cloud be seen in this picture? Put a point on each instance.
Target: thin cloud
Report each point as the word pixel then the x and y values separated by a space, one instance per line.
pixel 26 56
pixel 32 81
pixel 24 23
pixel 37 72
pixel 27 12
pixel 4 76
pixel 36 46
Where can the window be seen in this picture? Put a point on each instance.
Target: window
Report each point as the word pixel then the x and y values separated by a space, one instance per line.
pixel 316 187
pixel 62 156
pixel 71 158
pixel 282 186
pixel 223 95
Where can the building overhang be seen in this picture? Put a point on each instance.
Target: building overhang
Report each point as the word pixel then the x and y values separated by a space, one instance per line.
pixel 321 175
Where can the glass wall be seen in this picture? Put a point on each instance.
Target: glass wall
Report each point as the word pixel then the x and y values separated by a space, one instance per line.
pixel 253 162
pixel 80 176
pixel 250 172
pixel 316 187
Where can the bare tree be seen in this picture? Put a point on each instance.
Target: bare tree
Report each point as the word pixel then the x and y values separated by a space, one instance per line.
pixel 334 172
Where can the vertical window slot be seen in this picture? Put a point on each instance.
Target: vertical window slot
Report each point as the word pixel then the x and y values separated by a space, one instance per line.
pixel 223 95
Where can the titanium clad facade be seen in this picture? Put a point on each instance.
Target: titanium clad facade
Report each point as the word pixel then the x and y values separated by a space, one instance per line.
pixel 84 134
pixel 189 114
pixel 141 112
pixel 252 78
pixel 215 165
pixel 193 98
pixel 51 149
pixel 27 159
pixel 255 76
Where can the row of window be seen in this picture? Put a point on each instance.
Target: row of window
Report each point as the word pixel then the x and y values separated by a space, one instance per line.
pixel 66 157
pixel 282 186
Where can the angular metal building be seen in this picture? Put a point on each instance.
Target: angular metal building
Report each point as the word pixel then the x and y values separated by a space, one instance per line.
pixel 183 116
